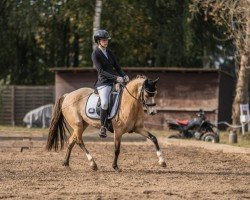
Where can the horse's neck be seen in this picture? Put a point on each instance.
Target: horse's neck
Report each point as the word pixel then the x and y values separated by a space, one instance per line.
pixel 132 90
pixel 130 103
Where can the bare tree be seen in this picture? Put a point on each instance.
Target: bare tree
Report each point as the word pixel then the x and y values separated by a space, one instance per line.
pixel 235 15
pixel 97 18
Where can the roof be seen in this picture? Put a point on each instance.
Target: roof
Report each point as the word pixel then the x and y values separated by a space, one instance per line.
pixel 144 69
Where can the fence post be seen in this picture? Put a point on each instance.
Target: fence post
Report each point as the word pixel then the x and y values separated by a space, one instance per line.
pixel 244 117
pixel 233 137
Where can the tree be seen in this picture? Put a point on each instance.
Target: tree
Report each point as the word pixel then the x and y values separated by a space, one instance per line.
pixel 37 35
pixel 235 15
pixel 97 18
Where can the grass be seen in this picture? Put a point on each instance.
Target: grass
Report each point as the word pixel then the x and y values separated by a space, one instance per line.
pixel 243 141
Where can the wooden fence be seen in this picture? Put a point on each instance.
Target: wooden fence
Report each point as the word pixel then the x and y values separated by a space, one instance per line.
pixel 16 101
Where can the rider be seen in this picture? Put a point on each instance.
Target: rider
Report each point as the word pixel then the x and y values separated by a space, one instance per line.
pixel 105 63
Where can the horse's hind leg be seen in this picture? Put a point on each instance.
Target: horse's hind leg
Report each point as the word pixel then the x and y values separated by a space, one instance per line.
pixel 148 135
pixel 78 127
pixel 79 141
pixel 71 144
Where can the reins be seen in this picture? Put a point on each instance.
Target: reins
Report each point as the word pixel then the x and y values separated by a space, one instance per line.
pixel 124 86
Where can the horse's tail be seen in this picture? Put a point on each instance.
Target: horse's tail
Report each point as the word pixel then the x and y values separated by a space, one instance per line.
pixel 56 129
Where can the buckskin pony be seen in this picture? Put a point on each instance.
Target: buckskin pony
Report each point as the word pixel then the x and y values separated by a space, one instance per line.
pixel 138 94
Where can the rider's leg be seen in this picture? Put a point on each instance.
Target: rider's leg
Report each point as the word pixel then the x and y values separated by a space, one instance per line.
pixel 103 116
pixel 104 92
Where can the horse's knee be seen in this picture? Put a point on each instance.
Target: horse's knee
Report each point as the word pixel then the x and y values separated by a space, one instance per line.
pixel 152 138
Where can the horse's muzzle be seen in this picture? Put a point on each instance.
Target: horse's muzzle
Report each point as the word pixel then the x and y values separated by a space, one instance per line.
pixel 151 110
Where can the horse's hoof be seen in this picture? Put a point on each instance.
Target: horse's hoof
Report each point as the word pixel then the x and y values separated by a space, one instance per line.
pixel 163 164
pixel 116 168
pixel 65 164
pixel 94 167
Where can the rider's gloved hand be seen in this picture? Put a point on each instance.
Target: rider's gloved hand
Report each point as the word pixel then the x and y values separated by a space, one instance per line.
pixel 126 78
pixel 119 79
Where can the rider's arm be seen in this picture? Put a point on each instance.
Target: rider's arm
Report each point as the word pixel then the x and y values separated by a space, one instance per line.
pixel 97 64
pixel 117 67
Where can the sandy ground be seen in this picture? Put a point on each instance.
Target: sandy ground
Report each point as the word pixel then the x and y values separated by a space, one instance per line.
pixel 191 173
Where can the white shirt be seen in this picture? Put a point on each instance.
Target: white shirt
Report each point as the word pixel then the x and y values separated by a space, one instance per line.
pixel 104 51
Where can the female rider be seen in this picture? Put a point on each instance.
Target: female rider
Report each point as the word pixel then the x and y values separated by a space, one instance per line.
pixel 105 63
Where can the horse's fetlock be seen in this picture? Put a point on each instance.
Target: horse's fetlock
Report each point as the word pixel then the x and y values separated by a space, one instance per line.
pixel 117 151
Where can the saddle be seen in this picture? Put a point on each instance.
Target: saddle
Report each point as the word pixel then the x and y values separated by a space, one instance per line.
pixel 183 122
pixel 93 106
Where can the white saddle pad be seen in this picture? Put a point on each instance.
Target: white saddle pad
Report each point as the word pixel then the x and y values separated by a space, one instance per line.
pixel 91 106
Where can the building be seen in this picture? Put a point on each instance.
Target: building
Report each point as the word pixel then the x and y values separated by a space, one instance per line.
pixel 181 92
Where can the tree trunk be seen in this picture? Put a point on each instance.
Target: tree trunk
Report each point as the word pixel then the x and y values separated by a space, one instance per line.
pixel 97 18
pixel 76 49
pixel 242 86
pixel 76 43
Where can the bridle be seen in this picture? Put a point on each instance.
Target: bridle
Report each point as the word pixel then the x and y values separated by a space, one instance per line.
pixel 144 103
pixel 141 97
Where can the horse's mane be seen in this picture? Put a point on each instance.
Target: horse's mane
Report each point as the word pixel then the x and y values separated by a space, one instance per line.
pixel 139 77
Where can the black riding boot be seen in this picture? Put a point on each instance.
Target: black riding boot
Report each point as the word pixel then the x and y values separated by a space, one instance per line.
pixel 103 116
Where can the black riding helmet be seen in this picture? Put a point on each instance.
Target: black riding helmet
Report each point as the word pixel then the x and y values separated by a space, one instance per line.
pixel 101 34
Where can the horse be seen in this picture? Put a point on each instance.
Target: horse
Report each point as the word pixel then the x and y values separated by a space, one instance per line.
pixel 137 94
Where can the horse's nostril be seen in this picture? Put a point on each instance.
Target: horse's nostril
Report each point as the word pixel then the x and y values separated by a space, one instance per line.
pixel 152 113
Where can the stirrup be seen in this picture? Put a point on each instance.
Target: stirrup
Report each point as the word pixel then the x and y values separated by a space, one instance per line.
pixel 103 133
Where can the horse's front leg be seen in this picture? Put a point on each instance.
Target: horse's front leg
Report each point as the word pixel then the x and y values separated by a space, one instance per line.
pixel 150 136
pixel 117 141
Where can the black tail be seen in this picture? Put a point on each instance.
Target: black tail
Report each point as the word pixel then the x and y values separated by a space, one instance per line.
pixel 56 129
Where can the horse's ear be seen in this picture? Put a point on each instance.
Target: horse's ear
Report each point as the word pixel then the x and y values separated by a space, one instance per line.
pixel 155 81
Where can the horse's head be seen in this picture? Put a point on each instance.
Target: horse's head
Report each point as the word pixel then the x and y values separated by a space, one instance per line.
pixel 148 93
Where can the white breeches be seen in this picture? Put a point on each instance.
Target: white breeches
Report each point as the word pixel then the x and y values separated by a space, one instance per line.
pixel 104 92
